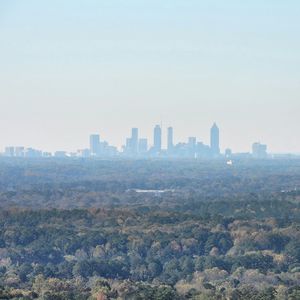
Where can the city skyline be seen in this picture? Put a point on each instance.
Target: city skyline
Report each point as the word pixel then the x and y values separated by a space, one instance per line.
pixel 137 146
pixel 162 142
pixel 69 68
pixel 146 133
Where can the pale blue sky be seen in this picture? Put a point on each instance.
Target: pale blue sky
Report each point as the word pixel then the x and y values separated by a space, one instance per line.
pixel 69 68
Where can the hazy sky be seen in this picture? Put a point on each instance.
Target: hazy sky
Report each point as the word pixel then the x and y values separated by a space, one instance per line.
pixel 69 68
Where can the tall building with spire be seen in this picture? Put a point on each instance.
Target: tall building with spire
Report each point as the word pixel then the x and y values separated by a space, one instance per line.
pixel 215 140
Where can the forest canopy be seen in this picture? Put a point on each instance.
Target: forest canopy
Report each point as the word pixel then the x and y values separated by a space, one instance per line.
pixel 92 229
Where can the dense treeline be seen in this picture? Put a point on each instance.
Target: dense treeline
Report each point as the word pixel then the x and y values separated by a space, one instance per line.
pixel 209 255
pixel 221 234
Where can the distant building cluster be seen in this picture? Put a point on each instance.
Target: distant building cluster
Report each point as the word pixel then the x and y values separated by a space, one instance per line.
pixel 136 146
pixel 259 150
pixel 139 147
pixel 24 152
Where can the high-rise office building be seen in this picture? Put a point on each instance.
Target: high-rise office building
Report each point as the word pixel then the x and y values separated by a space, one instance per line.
pixel 192 142
pixel 157 138
pixel 134 140
pixel 94 144
pixel 215 140
pixel 170 139
pixel 191 147
pixel 132 143
pixel 259 150
pixel 128 144
pixel 143 146
pixel 19 151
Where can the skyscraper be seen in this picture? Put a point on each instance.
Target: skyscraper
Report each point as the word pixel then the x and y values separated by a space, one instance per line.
pixel 215 140
pixel 128 145
pixel 170 139
pixel 134 140
pixel 94 144
pixel 157 138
